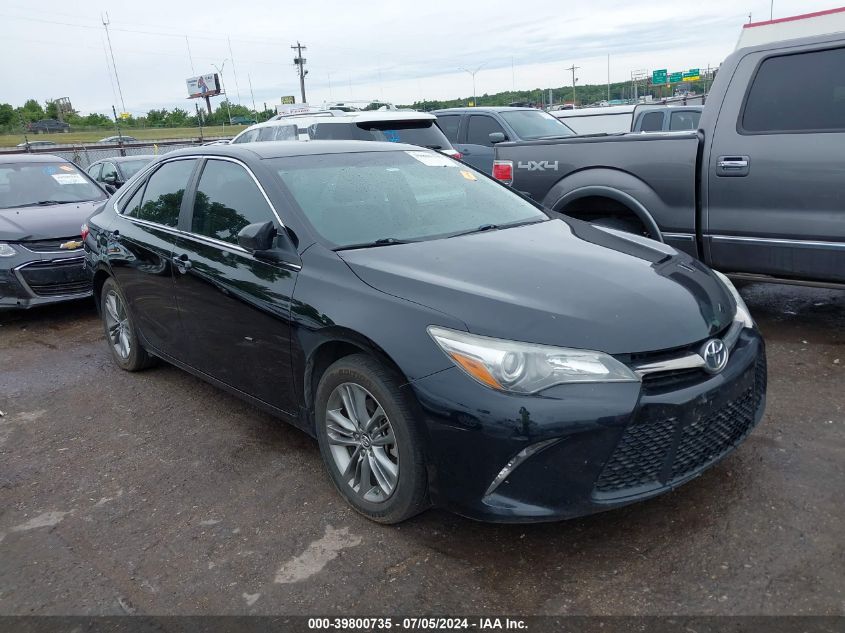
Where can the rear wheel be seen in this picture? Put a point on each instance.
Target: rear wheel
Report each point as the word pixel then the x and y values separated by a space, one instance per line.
pixel 369 440
pixel 120 330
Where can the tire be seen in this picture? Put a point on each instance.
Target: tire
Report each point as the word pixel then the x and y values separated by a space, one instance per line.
pixel 121 335
pixel 629 225
pixel 366 453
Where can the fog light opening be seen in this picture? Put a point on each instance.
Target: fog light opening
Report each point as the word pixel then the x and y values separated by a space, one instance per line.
pixel 514 462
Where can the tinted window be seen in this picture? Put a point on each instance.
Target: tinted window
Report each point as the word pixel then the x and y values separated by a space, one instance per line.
pixel 130 207
pixel 479 130
pixel 651 122
pixel 227 200
pixel 449 123
pixel 530 124
pixel 44 184
pixel 361 197
pixel 163 194
pixel 423 133
pixel 684 121
pixel 132 167
pixel 802 92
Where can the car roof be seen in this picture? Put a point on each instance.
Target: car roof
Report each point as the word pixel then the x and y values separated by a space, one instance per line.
pixel 348 117
pixel 281 149
pixel 31 158
pixel 485 109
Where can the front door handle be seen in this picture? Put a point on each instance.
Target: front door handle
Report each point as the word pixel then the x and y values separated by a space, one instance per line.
pixel 733 166
pixel 182 263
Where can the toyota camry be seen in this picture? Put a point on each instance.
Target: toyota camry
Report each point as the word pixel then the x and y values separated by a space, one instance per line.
pixel 446 341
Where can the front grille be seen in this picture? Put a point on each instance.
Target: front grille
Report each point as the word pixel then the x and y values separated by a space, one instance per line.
pixel 56 278
pixel 653 454
pixel 49 246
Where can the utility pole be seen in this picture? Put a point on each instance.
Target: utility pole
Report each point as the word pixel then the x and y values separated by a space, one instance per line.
pixel 473 73
pixel 254 109
pixel 572 69
pixel 299 61
pixel 106 23
pixel 234 71
pixel 772 10
pixel 608 78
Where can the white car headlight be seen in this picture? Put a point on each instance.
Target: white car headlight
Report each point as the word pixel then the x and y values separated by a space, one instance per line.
pixel 6 250
pixel 526 367
pixel 742 313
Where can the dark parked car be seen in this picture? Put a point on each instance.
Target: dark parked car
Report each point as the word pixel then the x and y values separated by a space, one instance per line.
pixel 474 131
pixel 48 125
pixel 242 120
pixel 445 340
pixel 112 173
pixel 43 201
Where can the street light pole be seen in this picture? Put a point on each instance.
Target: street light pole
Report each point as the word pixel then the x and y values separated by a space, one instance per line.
pixel 223 83
pixel 473 73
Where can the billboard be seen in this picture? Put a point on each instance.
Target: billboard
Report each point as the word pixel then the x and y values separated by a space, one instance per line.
pixel 203 86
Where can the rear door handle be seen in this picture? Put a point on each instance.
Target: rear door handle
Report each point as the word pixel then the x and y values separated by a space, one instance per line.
pixel 182 263
pixel 733 166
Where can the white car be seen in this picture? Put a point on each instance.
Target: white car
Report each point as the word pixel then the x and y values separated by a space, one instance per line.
pixel 416 128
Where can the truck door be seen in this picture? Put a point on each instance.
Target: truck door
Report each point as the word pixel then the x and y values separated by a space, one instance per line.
pixel 775 179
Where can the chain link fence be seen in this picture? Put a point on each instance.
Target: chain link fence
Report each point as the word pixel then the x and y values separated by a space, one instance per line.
pixel 84 154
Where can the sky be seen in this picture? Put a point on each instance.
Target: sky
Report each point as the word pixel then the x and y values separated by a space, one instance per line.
pixel 397 51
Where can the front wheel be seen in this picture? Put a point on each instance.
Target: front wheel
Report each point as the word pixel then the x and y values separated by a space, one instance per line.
pixel 369 440
pixel 120 330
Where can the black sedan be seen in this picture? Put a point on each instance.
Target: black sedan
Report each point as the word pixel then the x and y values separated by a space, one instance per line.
pixel 43 202
pixel 445 340
pixel 113 172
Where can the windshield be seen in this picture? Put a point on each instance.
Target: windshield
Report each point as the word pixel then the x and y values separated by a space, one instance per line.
pixel 530 124
pixel 360 198
pixel 132 167
pixel 31 184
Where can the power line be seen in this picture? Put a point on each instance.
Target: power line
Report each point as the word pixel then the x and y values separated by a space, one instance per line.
pixel 111 52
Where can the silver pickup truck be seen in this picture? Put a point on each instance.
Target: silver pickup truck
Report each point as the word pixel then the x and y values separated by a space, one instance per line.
pixel 758 190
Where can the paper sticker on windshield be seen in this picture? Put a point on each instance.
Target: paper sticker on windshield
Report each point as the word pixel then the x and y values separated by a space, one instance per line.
pixel 66 168
pixel 468 175
pixel 69 179
pixel 431 159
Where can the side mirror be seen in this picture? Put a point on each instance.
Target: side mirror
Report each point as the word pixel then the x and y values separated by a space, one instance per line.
pixel 110 178
pixel 110 188
pixel 497 137
pixel 257 237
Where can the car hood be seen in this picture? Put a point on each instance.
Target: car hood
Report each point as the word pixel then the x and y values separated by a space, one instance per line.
pixel 22 224
pixel 558 283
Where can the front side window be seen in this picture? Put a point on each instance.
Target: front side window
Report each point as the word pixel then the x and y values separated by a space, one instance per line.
pixel 480 128
pixel 804 92
pixel 359 198
pixel 227 200
pixel 29 184
pixel 109 171
pixel 651 122
pixel 163 194
pixel 533 124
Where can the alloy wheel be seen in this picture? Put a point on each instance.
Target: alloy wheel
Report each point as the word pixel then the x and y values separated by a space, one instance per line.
pixel 117 325
pixel 362 442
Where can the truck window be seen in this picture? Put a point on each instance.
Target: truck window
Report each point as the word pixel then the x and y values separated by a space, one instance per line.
pixel 449 124
pixel 479 130
pixel 804 92
pixel 651 122
pixel 684 121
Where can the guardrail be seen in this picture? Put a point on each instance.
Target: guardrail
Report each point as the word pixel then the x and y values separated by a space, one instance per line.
pixel 84 154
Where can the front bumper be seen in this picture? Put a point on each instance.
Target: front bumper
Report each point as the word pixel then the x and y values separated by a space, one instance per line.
pixel 607 445
pixel 38 278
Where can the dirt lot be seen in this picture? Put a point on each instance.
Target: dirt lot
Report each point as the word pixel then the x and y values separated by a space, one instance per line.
pixel 156 493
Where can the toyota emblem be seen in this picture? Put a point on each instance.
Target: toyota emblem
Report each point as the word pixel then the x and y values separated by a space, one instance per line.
pixel 715 355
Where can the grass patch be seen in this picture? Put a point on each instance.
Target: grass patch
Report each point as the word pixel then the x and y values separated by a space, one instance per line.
pixel 145 134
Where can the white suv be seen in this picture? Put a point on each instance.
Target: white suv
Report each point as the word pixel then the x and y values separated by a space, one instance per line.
pixel 415 128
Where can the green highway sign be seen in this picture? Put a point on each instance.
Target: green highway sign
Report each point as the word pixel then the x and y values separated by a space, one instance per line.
pixel 676 78
pixel 658 77
pixel 694 74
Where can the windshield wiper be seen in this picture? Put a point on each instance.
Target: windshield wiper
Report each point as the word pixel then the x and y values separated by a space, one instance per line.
pixel 43 203
pixel 495 227
pixel 384 241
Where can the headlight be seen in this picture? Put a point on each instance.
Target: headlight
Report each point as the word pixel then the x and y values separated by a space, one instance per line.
pixel 6 250
pixel 742 313
pixel 526 367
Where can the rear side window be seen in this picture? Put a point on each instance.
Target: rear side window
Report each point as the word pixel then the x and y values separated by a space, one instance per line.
pixel 227 200
pixel 479 129
pixel 277 133
pixel 163 193
pixel 651 122
pixel 449 123
pixel 684 121
pixel 804 92
pixel 131 205
pixel 247 137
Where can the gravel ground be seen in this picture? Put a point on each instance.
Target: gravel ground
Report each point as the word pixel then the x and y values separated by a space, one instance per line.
pixel 155 493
